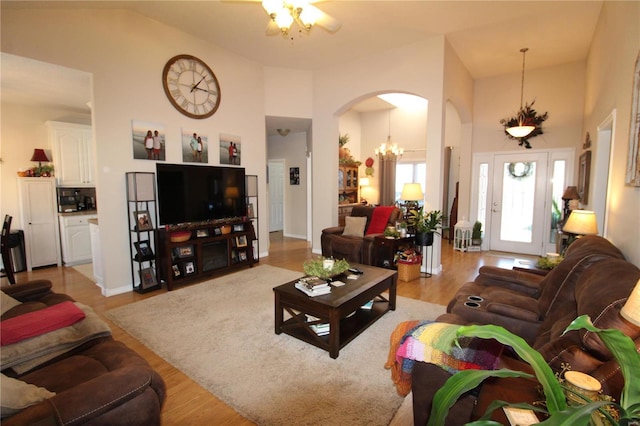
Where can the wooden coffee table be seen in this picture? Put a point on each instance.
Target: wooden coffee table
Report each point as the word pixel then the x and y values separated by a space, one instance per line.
pixel 341 308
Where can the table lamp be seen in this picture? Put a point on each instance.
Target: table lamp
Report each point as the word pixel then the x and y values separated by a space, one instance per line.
pixel 412 195
pixel 570 197
pixel 39 156
pixel 631 310
pixel 581 222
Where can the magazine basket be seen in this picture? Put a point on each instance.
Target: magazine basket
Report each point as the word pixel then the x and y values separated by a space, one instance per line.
pixel 408 271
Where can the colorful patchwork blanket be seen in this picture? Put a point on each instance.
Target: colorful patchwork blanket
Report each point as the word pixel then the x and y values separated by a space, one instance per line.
pixel 435 343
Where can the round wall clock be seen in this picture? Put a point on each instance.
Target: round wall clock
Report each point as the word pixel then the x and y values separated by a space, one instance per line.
pixel 191 86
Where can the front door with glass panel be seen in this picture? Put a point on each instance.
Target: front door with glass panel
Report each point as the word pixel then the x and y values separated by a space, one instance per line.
pixel 517 208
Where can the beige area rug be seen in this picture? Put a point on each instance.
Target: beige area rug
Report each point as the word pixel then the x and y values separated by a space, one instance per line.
pixel 221 334
pixel 85 269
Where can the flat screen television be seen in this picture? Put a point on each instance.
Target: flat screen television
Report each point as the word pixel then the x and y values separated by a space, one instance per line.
pixel 191 193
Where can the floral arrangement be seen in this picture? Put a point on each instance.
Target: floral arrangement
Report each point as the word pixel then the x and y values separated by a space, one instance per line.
pixel 344 155
pixel 315 267
pixel 37 171
pixel 527 116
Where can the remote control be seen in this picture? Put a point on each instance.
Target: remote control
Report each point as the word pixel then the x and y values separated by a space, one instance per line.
pixel 355 271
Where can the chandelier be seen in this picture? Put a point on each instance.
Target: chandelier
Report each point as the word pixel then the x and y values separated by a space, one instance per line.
pixel 285 12
pixel 523 128
pixel 389 147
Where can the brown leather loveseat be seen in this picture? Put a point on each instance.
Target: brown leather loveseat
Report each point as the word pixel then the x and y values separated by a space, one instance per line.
pixel 354 241
pixel 593 279
pixel 98 382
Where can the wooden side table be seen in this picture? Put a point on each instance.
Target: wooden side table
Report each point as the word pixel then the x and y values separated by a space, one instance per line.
pixel 386 248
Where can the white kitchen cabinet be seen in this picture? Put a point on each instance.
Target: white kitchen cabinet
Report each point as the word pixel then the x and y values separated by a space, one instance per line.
pixel 72 146
pixel 39 218
pixel 75 237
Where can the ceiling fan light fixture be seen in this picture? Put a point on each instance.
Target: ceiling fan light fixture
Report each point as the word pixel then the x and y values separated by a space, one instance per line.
pixel 308 16
pixel 283 132
pixel 272 7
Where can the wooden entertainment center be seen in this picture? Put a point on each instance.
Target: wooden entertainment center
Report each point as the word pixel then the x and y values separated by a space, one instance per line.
pixel 191 252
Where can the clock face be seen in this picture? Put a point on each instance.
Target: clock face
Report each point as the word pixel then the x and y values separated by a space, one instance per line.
pixel 191 86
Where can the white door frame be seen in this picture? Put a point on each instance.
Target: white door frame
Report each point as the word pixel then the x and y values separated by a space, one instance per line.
pixel 602 163
pixel 566 154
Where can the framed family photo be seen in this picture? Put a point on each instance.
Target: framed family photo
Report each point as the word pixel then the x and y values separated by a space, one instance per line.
pixel 143 249
pixel 148 278
pixel 143 220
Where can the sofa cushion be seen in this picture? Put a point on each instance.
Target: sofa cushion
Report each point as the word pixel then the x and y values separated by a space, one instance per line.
pixel 39 322
pixel 7 302
pixel 354 226
pixel 17 395
pixel 379 219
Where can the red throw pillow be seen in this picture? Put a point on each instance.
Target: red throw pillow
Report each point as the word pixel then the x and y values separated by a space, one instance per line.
pixel 379 219
pixel 32 324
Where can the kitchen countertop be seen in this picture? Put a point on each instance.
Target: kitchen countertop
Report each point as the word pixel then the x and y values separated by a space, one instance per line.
pixel 79 213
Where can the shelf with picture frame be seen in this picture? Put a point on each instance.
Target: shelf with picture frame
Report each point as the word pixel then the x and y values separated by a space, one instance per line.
pixel 251 186
pixel 142 216
pixel 213 248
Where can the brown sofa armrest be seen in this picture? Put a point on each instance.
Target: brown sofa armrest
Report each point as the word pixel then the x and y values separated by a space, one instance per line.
pixel 524 282
pixel 512 311
pixel 32 290
pixel 335 230
pixel 106 393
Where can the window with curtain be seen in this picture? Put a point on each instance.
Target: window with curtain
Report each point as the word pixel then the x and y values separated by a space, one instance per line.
pixel 410 173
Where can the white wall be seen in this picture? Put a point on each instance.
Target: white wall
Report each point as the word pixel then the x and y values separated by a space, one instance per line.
pixel 126 52
pixel 609 79
pixel 292 149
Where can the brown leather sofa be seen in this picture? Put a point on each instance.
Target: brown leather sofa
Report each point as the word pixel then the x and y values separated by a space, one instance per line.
pixel 100 382
pixel 358 249
pixel 593 279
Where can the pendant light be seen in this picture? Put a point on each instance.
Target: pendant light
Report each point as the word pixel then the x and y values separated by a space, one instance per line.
pixel 522 129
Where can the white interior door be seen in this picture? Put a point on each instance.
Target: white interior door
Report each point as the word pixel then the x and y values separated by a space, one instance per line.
pixel 517 210
pixel 276 195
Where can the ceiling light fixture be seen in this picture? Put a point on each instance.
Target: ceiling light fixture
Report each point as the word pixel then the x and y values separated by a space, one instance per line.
pixel 389 147
pixel 523 128
pixel 283 132
pixel 285 13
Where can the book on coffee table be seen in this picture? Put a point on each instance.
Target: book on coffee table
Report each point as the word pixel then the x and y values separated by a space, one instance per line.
pixel 315 291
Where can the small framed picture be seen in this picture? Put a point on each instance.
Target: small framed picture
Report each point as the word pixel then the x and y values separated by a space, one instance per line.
pixel 143 220
pixel 148 278
pixel 241 241
pixel 183 251
pixel 238 227
pixel 202 233
pixel 176 271
pixel 250 213
pixel 294 175
pixel 143 249
pixel 242 255
pixel 189 268
pixel 217 231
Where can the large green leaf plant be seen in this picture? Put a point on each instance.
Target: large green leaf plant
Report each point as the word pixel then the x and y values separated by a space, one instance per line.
pixel 559 413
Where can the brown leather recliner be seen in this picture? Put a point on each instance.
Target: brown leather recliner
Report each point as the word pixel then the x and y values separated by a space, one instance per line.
pixel 355 249
pixel 598 288
pixel 101 382
pixel 520 301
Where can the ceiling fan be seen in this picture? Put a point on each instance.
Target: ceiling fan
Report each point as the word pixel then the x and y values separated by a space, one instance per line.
pixel 284 13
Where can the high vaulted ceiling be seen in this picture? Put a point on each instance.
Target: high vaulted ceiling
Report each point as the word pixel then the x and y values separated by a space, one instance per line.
pixel 486 35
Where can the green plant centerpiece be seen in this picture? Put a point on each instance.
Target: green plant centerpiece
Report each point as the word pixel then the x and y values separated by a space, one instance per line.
pixel 476 233
pixel 315 267
pixel 391 232
pixel 425 225
pixel 624 412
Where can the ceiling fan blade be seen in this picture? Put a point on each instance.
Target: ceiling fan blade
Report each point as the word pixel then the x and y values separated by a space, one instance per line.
pixel 325 21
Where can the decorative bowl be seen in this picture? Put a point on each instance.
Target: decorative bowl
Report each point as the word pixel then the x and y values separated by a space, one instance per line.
pixel 180 236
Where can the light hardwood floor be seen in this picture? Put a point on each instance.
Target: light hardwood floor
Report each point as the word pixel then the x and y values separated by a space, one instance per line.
pixel 187 402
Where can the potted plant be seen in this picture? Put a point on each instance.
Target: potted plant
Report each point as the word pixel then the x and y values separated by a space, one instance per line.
pixel 556 407
pixel 425 225
pixel 476 234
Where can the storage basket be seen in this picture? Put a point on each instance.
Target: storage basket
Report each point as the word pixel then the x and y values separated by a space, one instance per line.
pixel 408 271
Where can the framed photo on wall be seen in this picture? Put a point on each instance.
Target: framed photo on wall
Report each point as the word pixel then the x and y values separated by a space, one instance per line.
pixel 583 177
